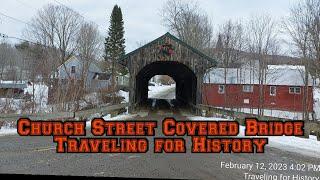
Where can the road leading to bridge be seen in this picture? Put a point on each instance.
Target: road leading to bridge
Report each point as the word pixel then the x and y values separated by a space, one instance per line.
pixel 36 155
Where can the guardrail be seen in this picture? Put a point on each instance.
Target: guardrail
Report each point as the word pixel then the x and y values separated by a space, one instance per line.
pixel 64 115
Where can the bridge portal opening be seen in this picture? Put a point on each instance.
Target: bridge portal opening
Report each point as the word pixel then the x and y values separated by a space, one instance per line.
pixel 162 87
pixel 184 78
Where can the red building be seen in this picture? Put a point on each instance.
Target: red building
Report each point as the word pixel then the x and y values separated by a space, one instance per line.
pixel 283 89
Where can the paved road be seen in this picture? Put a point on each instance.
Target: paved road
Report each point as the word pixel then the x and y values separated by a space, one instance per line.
pixel 36 155
pixel 162 92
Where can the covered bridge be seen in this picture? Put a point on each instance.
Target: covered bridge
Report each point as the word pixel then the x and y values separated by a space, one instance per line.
pixel 167 55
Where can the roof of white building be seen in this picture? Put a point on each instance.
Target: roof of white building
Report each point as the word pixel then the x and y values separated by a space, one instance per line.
pixel 73 59
pixel 275 75
pixel 13 84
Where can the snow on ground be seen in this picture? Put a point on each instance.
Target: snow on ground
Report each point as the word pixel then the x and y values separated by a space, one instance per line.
pixel 40 95
pixel 271 113
pixel 90 100
pixel 125 95
pixel 200 118
pixel 18 105
pixel 276 113
pixel 316 107
pixel 9 104
pixel 161 91
pixel 119 117
pixel 7 129
pixel 309 147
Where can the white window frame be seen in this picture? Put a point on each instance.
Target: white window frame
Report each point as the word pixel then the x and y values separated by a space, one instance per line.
pixel 275 91
pixel 223 89
pixel 291 90
pixel 246 90
pixel 295 90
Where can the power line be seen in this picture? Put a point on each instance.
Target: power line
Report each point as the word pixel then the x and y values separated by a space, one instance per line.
pixel 21 39
pixel 76 12
pixel 17 38
pixel 25 4
pixel 13 18
pixel 73 10
pixel 24 22
pixel 28 41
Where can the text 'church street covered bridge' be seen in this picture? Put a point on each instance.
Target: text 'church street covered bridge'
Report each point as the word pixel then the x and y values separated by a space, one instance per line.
pixel 167 55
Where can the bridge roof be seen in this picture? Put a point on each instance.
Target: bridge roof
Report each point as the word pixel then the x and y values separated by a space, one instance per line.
pixel 194 50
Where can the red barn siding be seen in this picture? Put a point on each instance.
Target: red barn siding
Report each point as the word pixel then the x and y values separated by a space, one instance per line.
pixel 235 97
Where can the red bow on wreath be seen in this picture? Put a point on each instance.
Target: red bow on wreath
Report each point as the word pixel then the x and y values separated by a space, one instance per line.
pixel 166 50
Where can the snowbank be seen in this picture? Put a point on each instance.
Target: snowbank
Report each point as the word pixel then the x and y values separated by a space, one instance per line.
pixel 200 118
pixel 40 93
pixel 8 129
pixel 119 117
pixel 309 147
pixel 124 94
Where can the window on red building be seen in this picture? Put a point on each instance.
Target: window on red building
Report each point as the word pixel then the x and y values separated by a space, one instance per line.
pixel 221 89
pixel 294 90
pixel 273 90
pixel 247 88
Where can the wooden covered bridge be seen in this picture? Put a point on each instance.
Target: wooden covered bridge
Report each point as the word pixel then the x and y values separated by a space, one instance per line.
pixel 167 55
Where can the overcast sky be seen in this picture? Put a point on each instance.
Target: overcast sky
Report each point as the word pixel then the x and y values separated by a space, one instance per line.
pixel 142 18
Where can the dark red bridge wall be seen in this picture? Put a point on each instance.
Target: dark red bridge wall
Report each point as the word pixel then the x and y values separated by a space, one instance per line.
pixel 235 96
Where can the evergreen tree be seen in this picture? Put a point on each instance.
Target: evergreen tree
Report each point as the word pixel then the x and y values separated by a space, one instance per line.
pixel 114 45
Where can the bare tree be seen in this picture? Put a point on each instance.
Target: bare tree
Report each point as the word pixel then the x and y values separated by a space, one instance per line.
pixel 88 45
pixel 303 27
pixel 56 26
pixel 229 49
pixel 6 54
pixel 262 41
pixel 88 48
pixel 186 20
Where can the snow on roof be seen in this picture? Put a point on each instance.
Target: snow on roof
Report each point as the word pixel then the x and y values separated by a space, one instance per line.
pixel 286 67
pixel 275 75
pixel 13 84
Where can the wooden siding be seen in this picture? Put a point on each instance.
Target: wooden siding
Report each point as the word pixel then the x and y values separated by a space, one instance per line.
pixel 234 97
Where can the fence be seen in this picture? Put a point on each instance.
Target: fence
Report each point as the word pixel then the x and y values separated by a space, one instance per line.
pixel 65 115
pixel 310 127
